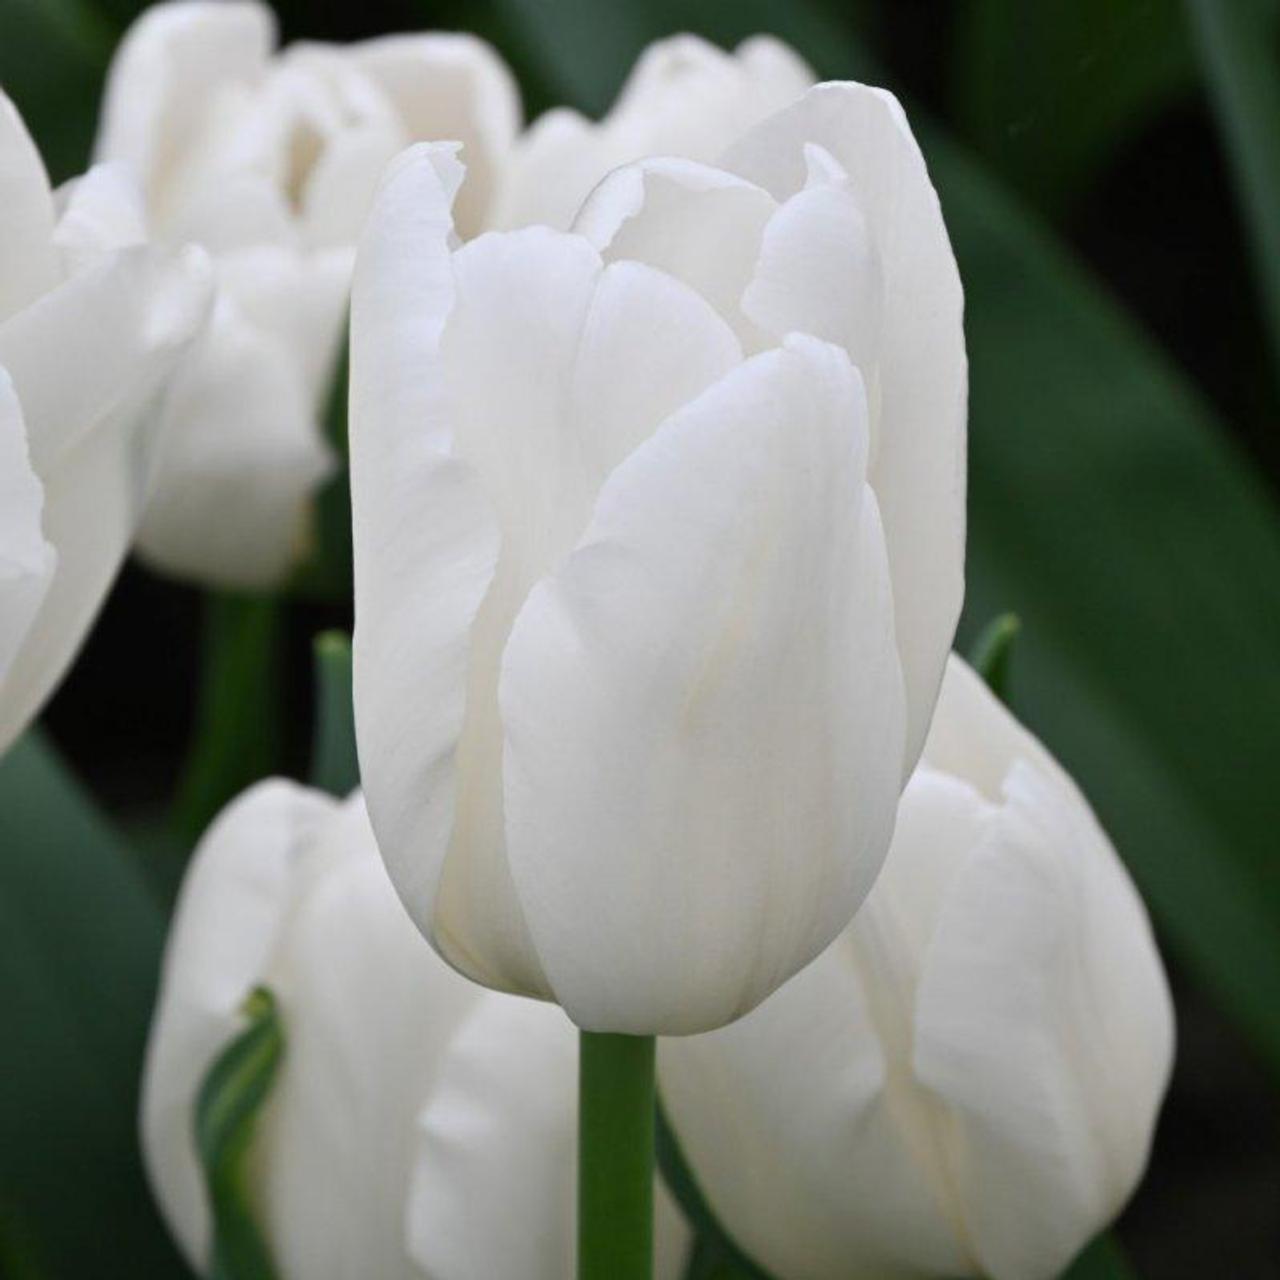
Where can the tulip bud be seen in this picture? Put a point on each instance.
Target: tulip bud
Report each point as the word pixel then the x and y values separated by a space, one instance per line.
pixel 684 97
pixel 91 325
pixel 417 1126
pixel 967 1081
pixel 658 532
pixel 270 160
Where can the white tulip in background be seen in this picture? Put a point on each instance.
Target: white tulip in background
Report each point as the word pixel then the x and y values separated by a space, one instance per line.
pixel 659 536
pixel 418 1126
pixel 270 160
pixel 91 324
pixel 966 1082
pixel 684 97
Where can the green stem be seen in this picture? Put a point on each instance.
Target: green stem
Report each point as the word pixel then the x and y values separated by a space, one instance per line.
pixel 236 738
pixel 615 1156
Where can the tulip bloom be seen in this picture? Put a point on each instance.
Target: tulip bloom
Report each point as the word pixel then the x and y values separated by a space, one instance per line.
pixel 91 324
pixel 967 1081
pixel 418 1126
pixel 270 161
pixel 658 535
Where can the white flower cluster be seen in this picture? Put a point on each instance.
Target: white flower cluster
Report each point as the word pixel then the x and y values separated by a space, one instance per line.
pixel 657 463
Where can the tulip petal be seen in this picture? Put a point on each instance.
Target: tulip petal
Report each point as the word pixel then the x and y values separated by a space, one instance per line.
pixel 699 224
pixel 426 547
pixel 788 1124
pixel 703 706
pixel 103 211
pixel 300 299
pixel 919 466
pixel 368 1011
pixel 492 1192
pixel 173 61
pixel 819 271
pixel 649 345
pixel 120 326
pixel 27 561
pixel 684 97
pixel 230 913
pixel 28 262
pixel 241 460
pixel 452 87
pixel 1043 1019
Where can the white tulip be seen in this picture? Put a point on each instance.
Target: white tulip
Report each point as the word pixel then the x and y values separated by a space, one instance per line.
pixel 684 97
pixel 967 1081
pixel 659 536
pixel 405 1134
pixel 91 324
pixel 493 1189
pixel 270 161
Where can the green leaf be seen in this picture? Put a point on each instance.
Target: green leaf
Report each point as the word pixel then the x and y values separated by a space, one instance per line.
pixel 227 1109
pixel 80 942
pixel 237 732
pixel 1235 40
pixel 326 573
pixel 579 52
pixel 334 766
pixel 1048 93
pixel 1104 1259
pixel 717 1254
pixel 992 653
pixel 1109 509
pixel 53 56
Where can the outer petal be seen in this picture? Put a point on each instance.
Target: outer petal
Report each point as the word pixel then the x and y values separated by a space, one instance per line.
pixel 703 706
pixel 1045 1023
pixel 426 542
pixel 230 915
pixel 27 561
pixel 451 87
pixel 369 1010
pixel 788 1119
pixel 242 458
pixel 28 263
pixel 172 62
pixel 121 327
pixel 919 466
pixel 492 1192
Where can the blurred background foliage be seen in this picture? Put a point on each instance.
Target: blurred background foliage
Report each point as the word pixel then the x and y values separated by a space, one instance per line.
pixel 1110 173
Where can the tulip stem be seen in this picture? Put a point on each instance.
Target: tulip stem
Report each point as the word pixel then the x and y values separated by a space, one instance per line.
pixel 615 1156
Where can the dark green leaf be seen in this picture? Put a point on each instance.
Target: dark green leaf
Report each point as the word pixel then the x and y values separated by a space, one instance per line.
pixel 334 767
pixel 992 653
pixel 1104 1259
pixel 1108 508
pixel 326 574
pixel 1048 92
pixel 1235 41
pixel 716 1248
pixel 237 732
pixel 227 1109
pixel 53 55
pixel 80 942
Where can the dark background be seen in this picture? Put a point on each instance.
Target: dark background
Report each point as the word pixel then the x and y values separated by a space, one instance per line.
pixel 1125 458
